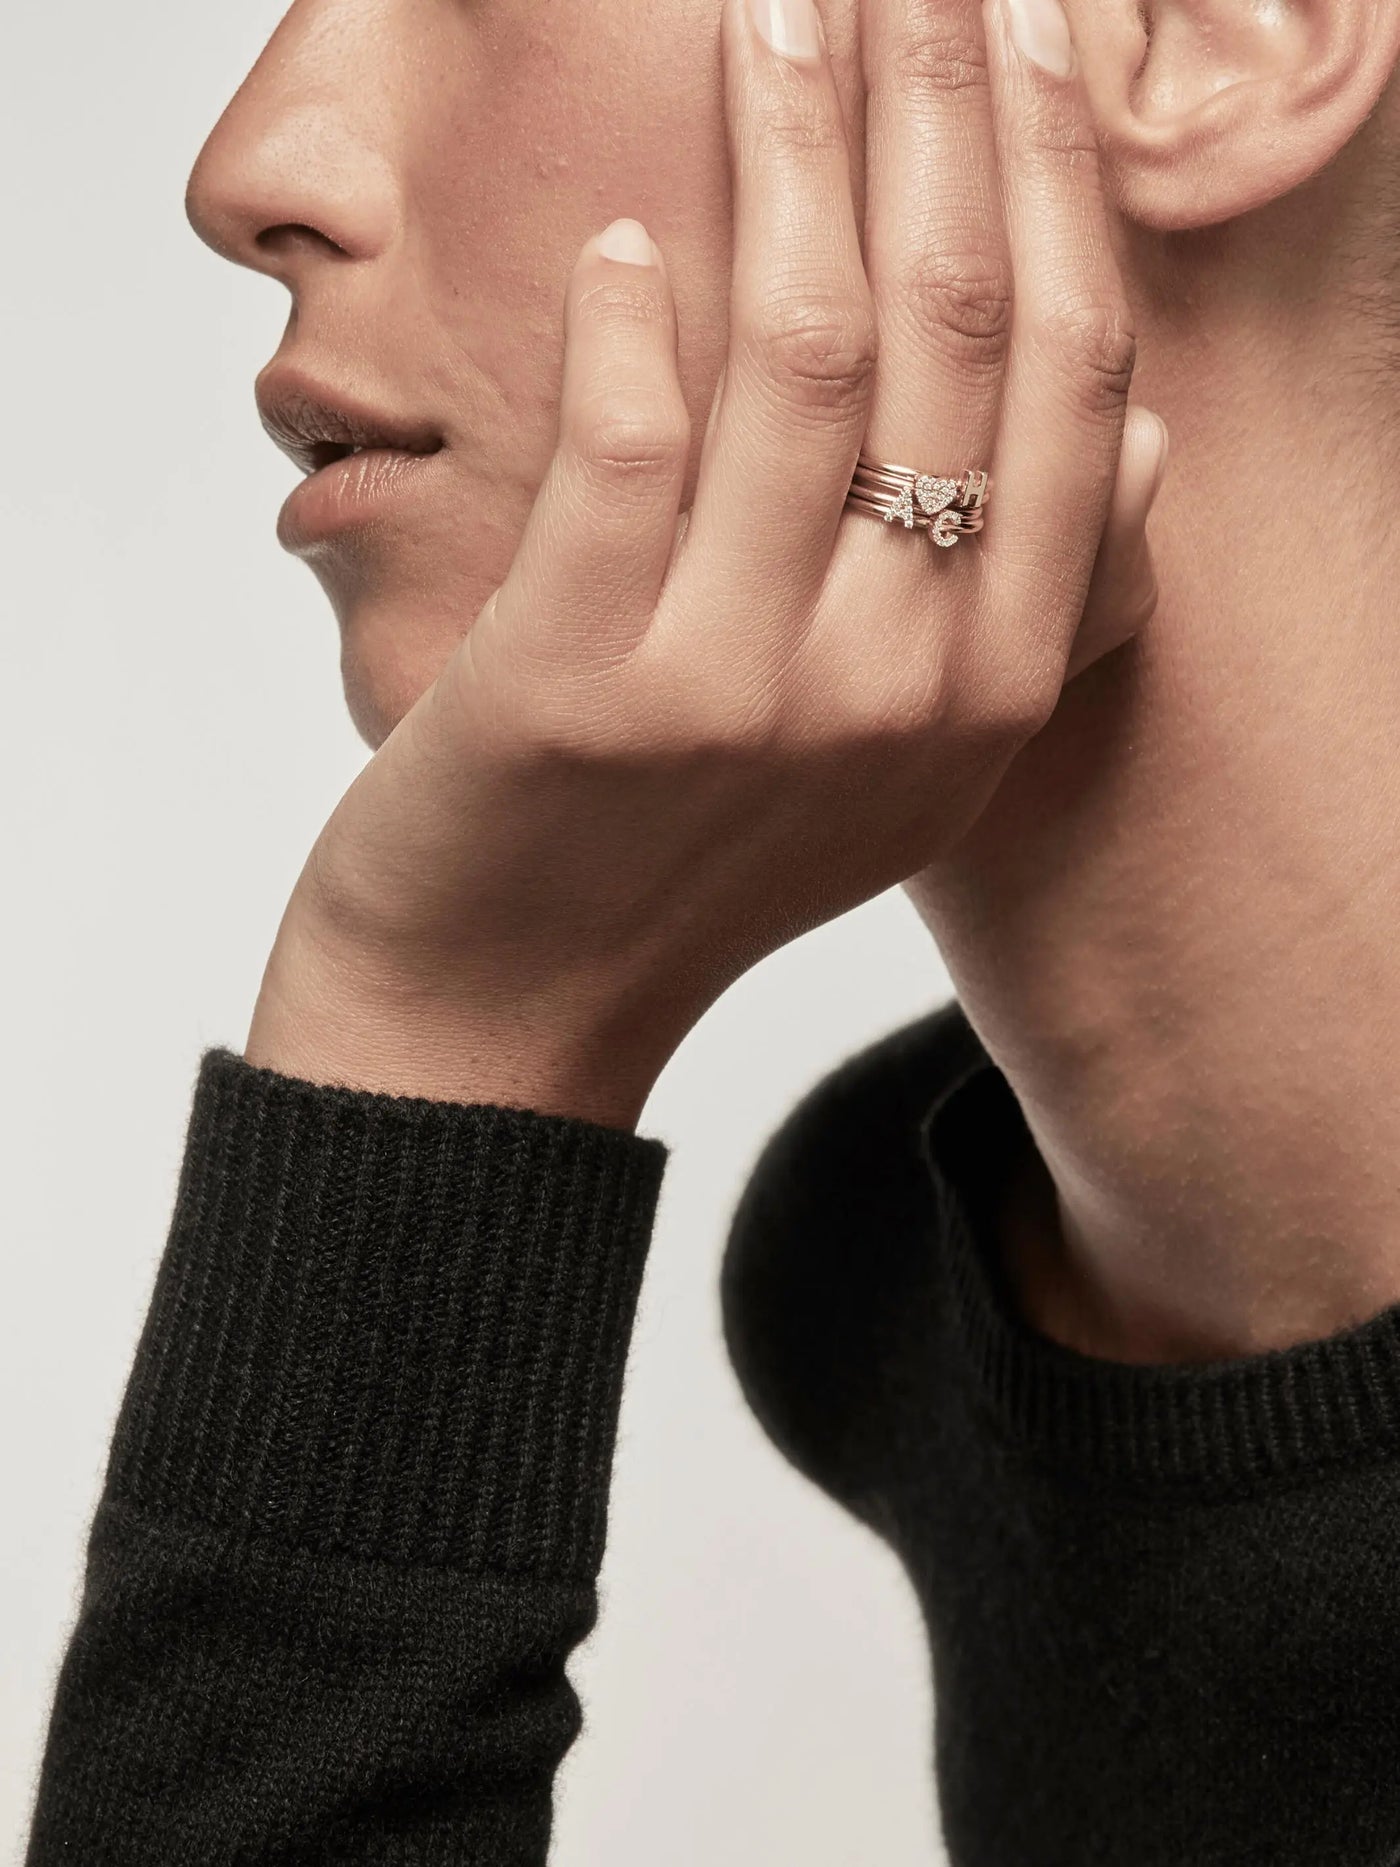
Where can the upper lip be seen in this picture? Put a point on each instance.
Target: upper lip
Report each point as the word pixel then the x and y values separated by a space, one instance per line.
pixel 315 426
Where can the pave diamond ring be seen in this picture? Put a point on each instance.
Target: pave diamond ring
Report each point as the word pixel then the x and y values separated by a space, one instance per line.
pixel 946 509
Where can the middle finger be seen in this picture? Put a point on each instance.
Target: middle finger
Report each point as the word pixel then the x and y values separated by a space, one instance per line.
pixel 937 251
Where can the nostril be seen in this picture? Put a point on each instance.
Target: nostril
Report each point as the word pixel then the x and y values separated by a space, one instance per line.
pixel 283 184
pixel 241 204
pixel 292 238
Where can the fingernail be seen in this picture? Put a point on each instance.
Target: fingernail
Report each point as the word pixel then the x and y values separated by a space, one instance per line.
pixel 1041 33
pixel 628 241
pixel 793 28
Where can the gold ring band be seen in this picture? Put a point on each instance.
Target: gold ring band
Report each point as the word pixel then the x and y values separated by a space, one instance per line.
pixel 948 509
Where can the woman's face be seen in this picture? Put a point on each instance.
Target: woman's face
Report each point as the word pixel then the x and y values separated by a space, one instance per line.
pixel 421 175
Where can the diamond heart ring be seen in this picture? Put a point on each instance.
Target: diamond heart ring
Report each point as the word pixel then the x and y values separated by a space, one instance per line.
pixel 946 509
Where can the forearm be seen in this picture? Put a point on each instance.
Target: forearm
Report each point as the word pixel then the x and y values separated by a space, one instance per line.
pixel 228 1701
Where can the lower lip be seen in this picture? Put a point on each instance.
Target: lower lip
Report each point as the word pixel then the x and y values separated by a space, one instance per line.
pixel 348 494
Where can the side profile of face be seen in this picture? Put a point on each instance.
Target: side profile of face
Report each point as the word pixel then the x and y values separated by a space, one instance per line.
pixel 421 177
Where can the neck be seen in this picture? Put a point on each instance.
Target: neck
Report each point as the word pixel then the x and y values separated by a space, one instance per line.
pixel 1175 928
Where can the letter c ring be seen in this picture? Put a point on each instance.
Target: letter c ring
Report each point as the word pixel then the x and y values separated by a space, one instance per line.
pixel 946 509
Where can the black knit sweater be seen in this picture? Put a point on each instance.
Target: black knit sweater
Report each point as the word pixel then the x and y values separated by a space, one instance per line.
pixel 356 1499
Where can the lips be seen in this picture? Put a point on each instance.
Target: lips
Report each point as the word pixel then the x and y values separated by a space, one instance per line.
pixel 317 428
pixel 356 456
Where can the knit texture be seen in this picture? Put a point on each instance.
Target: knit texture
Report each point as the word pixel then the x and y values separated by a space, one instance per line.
pixel 1163 1602
pixel 357 1496
pixel 357 1492
pixel 389 1327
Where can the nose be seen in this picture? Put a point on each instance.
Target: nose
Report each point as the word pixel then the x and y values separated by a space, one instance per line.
pixel 298 166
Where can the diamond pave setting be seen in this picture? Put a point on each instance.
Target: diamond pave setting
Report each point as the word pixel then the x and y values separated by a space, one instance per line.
pixel 947 508
pixel 934 496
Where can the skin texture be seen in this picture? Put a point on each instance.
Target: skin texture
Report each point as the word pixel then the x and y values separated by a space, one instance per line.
pixel 1173 923
pixel 653 760
pixel 462 155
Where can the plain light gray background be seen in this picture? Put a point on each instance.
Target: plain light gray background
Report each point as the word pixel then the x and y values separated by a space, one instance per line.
pixel 174 738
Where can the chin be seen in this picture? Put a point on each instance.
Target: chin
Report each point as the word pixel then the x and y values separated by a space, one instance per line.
pixel 404 596
pixel 391 652
pixel 389 658
pixel 399 626
pixel 375 707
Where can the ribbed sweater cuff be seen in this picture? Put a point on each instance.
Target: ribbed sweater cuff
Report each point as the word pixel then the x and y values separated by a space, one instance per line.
pixel 1224 1427
pixel 389 1327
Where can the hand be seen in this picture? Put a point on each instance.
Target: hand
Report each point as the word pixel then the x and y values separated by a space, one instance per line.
pixel 652 762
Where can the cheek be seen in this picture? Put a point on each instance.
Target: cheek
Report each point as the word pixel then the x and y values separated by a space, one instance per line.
pixel 573 119
pixel 531 138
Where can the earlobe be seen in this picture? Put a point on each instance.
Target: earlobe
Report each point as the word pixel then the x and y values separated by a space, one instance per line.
pixel 1209 109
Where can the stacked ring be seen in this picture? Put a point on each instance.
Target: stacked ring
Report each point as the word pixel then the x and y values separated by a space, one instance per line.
pixel 947 509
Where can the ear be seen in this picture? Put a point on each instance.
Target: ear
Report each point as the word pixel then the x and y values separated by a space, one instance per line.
pixel 1211 108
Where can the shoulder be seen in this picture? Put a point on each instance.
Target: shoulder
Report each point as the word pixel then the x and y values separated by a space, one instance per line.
pixel 832 1254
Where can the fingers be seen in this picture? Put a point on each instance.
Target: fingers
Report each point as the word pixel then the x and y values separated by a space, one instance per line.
pixel 935 238
pixel 792 408
pixel 595 550
pixel 1072 349
pixel 1123 589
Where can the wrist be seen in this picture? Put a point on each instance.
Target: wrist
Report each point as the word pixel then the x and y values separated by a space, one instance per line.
pixel 330 1013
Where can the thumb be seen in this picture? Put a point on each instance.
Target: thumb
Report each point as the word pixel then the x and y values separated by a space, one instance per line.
pixel 1123 590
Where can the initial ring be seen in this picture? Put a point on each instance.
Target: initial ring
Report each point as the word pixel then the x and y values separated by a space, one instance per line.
pixel 947 509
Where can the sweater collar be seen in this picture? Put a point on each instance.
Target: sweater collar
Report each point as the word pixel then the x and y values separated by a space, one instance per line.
pixel 1259 1419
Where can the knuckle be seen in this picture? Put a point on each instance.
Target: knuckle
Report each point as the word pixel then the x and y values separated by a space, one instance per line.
pixel 723 723
pixel 862 720
pixel 1035 580
pixel 1009 705
pixel 628 434
pixel 1066 139
pixel 886 721
pixel 625 300
pixel 963 301
pixel 1008 680
pixel 817 348
pixel 1027 702
pixel 557 731
pixel 1095 344
pixel 803 128
pixel 882 706
pixel 934 55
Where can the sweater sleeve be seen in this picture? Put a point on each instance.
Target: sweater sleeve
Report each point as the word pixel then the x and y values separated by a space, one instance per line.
pixel 356 1499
